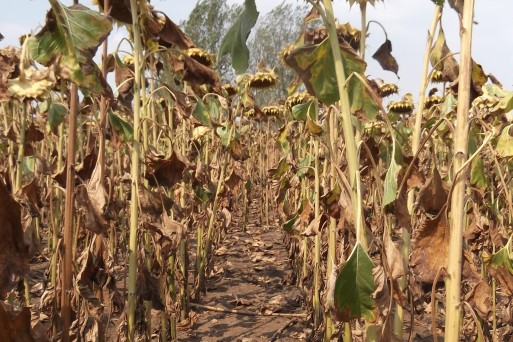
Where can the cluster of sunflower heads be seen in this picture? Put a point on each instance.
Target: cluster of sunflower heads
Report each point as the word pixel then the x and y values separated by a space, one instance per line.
pixel 403 106
pixel 200 56
pixel 298 98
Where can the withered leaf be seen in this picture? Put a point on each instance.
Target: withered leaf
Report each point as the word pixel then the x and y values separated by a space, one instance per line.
pixel 431 247
pixel 124 78
pixel 15 326
pixel 9 61
pixel 153 203
pixel 32 193
pixel 315 226
pixel 234 183
pixel 433 195
pixel 394 258
pixel 172 36
pixel 165 171
pixel 197 73
pixel 93 220
pixel 13 251
pixel 384 57
pixel 148 288
pixel 443 60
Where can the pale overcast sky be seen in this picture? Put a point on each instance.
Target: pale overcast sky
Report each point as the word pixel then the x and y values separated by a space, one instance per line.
pixel 406 22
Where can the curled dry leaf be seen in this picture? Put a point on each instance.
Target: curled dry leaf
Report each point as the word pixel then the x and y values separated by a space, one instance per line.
pixel 315 226
pixel 93 220
pixel 433 195
pixel 394 259
pixel 14 253
pixel 431 247
pixel 197 73
pixel 443 60
pixel 384 57
pixel 9 61
pixel 165 171
pixel 153 203
pixel 148 288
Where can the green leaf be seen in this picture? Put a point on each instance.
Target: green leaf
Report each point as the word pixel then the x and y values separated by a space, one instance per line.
pixel 390 190
pixel 303 110
pixel 354 287
pixel 504 147
pixel 234 42
pixel 290 224
pixel 200 113
pixel 56 113
pixel 70 39
pixel 477 173
pixel 305 166
pixel 122 127
pixel 224 134
pixel 504 256
pixel 280 170
pixel 316 68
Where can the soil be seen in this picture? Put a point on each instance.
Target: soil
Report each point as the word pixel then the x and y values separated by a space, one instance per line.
pixel 250 272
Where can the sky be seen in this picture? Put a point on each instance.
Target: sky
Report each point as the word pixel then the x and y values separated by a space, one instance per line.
pixel 406 22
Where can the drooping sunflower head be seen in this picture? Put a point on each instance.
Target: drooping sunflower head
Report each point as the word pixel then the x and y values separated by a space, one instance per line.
pixel 432 100
pixel 405 105
pixel 350 34
pixel 272 110
pixel 230 89
pixel 436 76
pixel 262 79
pixel 386 89
pixel 298 98
pixel 201 56
pixel 284 53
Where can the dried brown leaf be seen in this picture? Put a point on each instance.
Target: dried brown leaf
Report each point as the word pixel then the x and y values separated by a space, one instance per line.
pixel 14 253
pixel 384 57
pixel 15 326
pixel 431 247
pixel 433 195
pixel 165 171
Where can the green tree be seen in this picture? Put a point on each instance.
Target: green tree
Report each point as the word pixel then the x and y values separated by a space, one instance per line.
pixel 274 31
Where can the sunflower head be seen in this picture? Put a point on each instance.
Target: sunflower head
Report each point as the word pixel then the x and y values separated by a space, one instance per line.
pixel 298 98
pixel 262 79
pixel 432 100
pixel 230 89
pixel 349 34
pixel 403 106
pixel 436 76
pixel 272 110
pixel 387 89
pixel 201 56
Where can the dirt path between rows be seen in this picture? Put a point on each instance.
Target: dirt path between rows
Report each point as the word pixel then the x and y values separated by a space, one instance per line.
pixel 250 273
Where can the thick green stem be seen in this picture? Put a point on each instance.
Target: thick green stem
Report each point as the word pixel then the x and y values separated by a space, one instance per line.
pixel 135 162
pixel 453 282
pixel 347 126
